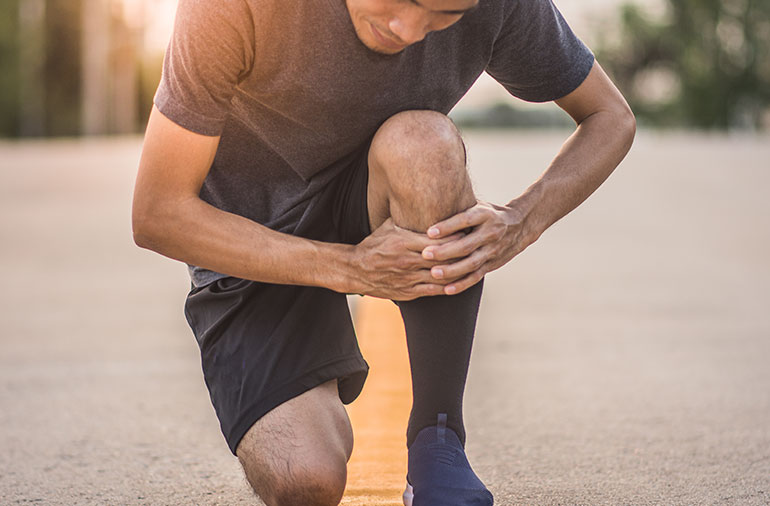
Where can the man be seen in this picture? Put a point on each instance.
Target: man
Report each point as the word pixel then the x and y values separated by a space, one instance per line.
pixel 298 151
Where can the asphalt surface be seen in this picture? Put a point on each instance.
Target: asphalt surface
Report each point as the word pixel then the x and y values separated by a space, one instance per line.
pixel 623 359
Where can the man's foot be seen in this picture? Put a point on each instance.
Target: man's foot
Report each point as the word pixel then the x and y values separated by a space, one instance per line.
pixel 439 472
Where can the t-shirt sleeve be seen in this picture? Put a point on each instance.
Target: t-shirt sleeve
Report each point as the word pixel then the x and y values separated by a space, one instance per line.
pixel 211 50
pixel 536 56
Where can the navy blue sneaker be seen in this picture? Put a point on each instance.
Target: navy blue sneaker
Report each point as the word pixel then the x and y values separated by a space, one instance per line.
pixel 439 473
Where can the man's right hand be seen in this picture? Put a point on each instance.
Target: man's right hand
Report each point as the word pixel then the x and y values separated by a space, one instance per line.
pixel 389 264
pixel 169 217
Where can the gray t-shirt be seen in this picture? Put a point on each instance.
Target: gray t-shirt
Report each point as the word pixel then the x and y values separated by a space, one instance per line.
pixel 292 90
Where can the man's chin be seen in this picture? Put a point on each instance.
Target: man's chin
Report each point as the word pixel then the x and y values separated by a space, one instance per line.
pixel 385 51
pixel 372 45
pixel 371 42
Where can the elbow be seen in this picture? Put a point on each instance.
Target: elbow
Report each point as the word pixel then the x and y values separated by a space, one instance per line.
pixel 157 222
pixel 142 230
pixel 146 226
pixel 630 129
pixel 623 123
pixel 627 124
pixel 142 239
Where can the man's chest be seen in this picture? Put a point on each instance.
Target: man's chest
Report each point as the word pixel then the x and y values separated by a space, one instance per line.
pixel 315 92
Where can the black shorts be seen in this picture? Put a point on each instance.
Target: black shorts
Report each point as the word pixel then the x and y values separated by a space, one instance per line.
pixel 263 344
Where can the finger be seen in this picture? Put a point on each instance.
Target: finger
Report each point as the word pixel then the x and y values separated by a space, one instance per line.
pixel 461 268
pixel 459 222
pixel 413 241
pixel 464 283
pixel 412 261
pixel 422 263
pixel 428 289
pixel 425 276
pixel 447 239
pixel 429 252
pixel 416 241
pixel 459 248
pixel 419 290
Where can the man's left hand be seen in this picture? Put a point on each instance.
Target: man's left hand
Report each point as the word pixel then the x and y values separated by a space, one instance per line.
pixel 494 235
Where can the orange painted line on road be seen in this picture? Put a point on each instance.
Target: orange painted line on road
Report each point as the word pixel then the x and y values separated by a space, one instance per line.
pixel 377 468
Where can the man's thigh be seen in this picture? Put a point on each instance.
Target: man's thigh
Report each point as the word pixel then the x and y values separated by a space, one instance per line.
pixel 263 345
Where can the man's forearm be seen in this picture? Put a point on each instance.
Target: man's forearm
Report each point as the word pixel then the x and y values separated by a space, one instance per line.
pixel 606 128
pixel 585 161
pixel 197 233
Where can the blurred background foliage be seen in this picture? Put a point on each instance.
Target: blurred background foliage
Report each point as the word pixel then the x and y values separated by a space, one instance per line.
pixel 9 68
pixel 83 67
pixel 699 63
pixel 74 67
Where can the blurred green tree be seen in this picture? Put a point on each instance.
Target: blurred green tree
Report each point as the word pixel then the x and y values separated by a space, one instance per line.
pixel 71 67
pixel 9 67
pixel 62 67
pixel 703 63
pixel 39 67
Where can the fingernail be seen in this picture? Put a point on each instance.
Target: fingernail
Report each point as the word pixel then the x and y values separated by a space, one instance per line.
pixel 428 254
pixel 437 273
pixel 433 232
pixel 451 289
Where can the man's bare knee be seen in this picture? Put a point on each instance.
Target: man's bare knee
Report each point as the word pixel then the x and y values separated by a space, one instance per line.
pixel 298 452
pixel 424 140
pixel 317 480
pixel 318 484
pixel 418 158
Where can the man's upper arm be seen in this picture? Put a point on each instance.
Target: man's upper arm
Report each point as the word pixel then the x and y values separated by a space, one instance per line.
pixel 211 49
pixel 174 163
pixel 536 56
pixel 596 93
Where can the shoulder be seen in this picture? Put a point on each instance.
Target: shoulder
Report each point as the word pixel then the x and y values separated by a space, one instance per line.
pixel 488 16
pixel 206 11
pixel 504 13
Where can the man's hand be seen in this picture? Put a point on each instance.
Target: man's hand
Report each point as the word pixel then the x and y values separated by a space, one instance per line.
pixel 391 265
pixel 494 237
pixel 605 130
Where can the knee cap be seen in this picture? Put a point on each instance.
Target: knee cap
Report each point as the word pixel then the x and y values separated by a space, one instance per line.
pixel 312 487
pixel 412 133
pixel 419 149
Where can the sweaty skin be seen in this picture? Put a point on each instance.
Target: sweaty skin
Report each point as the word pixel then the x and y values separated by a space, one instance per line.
pixel 170 218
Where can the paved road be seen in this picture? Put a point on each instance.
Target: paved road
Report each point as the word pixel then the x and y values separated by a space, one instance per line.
pixel 623 359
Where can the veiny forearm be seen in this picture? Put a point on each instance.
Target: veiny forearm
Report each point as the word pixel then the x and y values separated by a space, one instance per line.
pixel 585 161
pixel 197 233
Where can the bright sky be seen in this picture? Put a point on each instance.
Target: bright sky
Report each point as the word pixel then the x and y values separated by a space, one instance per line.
pixel 158 17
